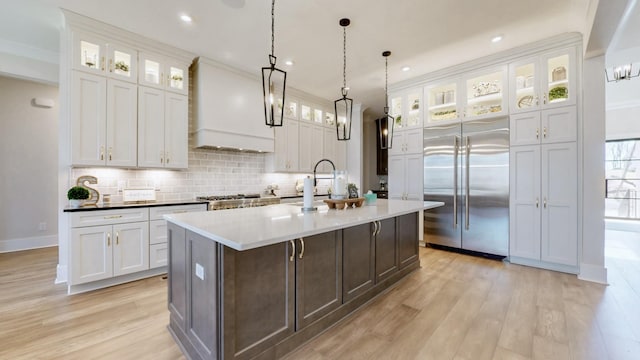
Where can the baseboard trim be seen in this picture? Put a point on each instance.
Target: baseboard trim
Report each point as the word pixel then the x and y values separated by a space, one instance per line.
pixel 593 273
pixel 36 242
pixel 95 285
pixel 61 274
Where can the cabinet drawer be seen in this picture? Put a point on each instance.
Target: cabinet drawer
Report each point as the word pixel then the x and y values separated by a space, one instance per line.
pixel 158 232
pixel 157 213
pixel 108 217
pixel 157 255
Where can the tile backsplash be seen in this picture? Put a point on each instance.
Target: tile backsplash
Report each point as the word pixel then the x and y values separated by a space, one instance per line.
pixel 210 172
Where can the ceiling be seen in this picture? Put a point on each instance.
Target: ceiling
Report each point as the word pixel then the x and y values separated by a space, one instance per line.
pixel 426 35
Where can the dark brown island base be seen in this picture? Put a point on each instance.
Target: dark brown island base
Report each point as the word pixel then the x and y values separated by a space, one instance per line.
pixel 263 302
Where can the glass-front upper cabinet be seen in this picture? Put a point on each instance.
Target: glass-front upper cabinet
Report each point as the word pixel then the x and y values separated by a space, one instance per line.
pixel 305 112
pixel 485 94
pixel 329 118
pixel 441 103
pixel 543 82
pixel 163 73
pixel 97 55
pixel 405 108
pixel 291 108
pixel 317 116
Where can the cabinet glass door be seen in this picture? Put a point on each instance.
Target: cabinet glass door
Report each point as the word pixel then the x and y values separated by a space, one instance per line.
pixel 317 115
pixel 122 62
pixel 396 111
pixel 329 118
pixel 151 73
pixel 291 110
pixel 305 113
pixel 484 94
pixel 441 103
pixel 526 87
pixel 176 80
pixel 557 79
pixel 413 111
pixel 91 56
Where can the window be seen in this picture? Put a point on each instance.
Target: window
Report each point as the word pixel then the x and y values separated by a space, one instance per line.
pixel 622 183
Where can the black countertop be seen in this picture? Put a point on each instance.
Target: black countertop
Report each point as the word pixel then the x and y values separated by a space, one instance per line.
pixel 114 206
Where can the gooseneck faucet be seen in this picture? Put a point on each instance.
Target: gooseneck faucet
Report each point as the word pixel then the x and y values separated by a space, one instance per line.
pixel 315 182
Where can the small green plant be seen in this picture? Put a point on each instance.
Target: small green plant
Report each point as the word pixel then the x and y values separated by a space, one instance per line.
pixel 120 65
pixel 176 77
pixel 78 193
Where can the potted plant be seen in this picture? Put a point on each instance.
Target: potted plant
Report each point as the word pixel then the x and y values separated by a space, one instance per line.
pixel 76 195
pixel 353 190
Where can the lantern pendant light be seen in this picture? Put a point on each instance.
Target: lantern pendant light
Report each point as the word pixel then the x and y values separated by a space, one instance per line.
pixel 344 105
pixel 385 124
pixel 274 82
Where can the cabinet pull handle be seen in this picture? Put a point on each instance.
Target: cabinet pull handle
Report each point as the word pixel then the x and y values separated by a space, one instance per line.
pixel 301 248
pixel 537 203
pixel 544 202
pixel 161 78
pixel 537 100
pixel 466 193
pixel 166 158
pixel 375 228
pixel 113 217
pixel 101 152
pixel 379 228
pixel 455 182
pixel 293 250
pixel 117 238
pixel 544 98
pixel 537 133
pixel 544 132
pixel 110 150
pixel 102 61
pixel 108 239
pixel 110 65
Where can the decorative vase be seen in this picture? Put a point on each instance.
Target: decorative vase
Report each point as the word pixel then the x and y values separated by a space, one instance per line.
pixel 75 203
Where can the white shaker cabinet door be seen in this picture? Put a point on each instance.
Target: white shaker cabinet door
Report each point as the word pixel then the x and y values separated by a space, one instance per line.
pixel 525 128
pixel 150 127
pixel 414 167
pixel 559 204
pixel 176 131
pixel 122 123
pixel 91 252
pixel 525 202
pixel 396 177
pixel 131 248
pixel 88 119
pixel 559 125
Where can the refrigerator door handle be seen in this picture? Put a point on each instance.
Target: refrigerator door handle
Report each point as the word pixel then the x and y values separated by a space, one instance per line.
pixel 455 182
pixel 466 193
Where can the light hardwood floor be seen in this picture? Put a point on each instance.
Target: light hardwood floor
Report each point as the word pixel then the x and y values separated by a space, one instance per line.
pixel 454 307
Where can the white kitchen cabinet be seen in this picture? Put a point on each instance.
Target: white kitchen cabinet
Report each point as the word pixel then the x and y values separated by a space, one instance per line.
pixel 158 230
pixel 484 94
pixel 544 81
pixel 543 205
pixel 164 73
pixel 95 54
pixel 405 177
pixel 162 129
pixel 286 155
pixel 104 121
pixel 544 127
pixel 310 145
pixel 405 108
pixel 407 142
pixel 101 252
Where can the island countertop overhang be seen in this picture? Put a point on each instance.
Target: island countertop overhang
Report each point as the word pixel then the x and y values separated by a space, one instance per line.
pixel 249 228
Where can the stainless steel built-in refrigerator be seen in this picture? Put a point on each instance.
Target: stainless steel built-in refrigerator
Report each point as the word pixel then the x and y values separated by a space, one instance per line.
pixel 466 166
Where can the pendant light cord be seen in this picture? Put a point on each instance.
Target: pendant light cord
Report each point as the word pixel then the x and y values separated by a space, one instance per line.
pixel 273 6
pixel 344 66
pixel 386 80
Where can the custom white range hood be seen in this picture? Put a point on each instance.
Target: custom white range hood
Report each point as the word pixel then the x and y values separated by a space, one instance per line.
pixel 228 109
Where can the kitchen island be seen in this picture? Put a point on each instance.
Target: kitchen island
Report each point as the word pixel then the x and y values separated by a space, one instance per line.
pixel 258 282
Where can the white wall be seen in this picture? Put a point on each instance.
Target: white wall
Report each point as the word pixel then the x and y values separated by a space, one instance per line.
pixel 593 129
pixel 28 157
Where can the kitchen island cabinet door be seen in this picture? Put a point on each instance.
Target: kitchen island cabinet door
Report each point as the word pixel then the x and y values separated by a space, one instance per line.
pixel 318 277
pixel 386 249
pixel 358 258
pixel 258 299
pixel 177 268
pixel 407 239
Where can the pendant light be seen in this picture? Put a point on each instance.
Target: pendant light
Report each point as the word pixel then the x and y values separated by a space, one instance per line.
pixel 273 80
pixel 385 124
pixel 344 105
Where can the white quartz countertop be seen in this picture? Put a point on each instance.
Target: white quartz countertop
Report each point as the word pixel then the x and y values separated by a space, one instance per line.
pixel 249 228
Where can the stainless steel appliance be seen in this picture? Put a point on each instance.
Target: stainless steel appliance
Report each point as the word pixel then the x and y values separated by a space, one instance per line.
pixel 222 202
pixel 466 166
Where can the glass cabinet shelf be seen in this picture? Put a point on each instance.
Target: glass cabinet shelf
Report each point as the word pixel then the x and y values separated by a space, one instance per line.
pixel 484 94
pixel 441 103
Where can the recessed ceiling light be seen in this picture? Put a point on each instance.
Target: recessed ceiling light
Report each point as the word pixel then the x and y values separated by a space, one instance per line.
pixel 288 63
pixel 496 38
pixel 406 68
pixel 186 18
